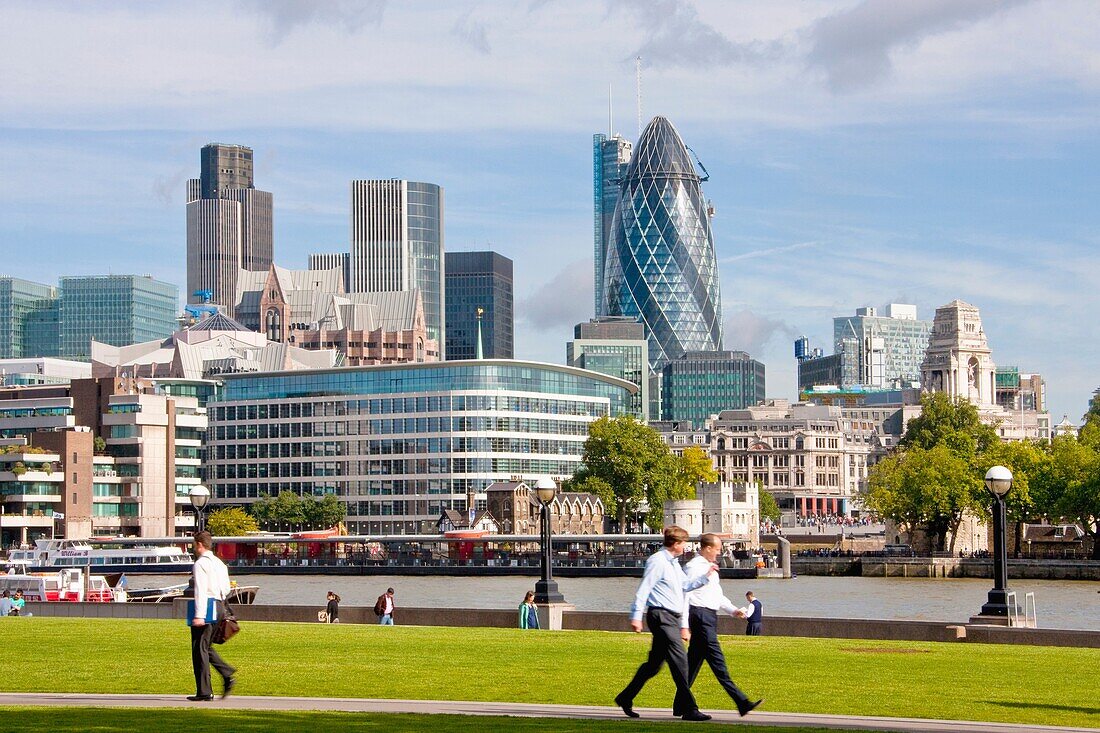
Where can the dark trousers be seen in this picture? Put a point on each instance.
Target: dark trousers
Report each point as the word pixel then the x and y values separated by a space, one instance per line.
pixel 202 656
pixel 667 647
pixel 705 647
pixel 754 629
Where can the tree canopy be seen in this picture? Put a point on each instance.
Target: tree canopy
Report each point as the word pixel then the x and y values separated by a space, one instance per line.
pixel 626 463
pixel 769 508
pixel 230 522
pixel 296 511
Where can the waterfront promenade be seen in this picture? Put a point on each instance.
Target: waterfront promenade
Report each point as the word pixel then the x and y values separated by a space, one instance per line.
pixel 527 710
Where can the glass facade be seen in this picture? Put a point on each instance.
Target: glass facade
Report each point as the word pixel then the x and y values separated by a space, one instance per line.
pixel 479 280
pixel 661 268
pixel 880 351
pixel 425 217
pixel 399 444
pixel 28 319
pixel 696 386
pixel 115 309
pixel 610 157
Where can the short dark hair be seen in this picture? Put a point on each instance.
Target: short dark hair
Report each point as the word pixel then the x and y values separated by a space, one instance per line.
pixel 674 534
pixel 390 591
pixel 750 593
pixel 205 539
pixel 710 540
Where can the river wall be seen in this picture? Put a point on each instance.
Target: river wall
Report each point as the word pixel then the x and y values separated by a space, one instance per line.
pixel 945 567
pixel 830 628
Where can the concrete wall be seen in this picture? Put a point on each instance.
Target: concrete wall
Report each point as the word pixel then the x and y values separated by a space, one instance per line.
pixel 827 628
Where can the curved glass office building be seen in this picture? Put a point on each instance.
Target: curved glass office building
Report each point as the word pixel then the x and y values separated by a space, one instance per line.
pixel 661 267
pixel 401 443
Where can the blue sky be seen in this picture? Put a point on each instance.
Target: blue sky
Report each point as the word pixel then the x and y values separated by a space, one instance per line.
pixel 860 152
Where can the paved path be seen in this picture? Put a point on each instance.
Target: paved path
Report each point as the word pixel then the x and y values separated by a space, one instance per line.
pixel 523 710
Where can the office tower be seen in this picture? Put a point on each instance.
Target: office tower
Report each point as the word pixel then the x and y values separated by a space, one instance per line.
pixel 397 243
pixel 330 260
pixel 118 310
pixel 479 303
pixel 661 267
pixel 229 224
pixel 886 350
pixel 610 157
pixel 616 347
pixel 28 319
pixel 700 384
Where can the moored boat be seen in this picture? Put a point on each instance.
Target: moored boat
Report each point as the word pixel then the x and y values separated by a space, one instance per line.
pixel 51 555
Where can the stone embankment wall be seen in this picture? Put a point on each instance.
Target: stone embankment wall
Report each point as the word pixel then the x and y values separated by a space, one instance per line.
pixel 945 567
pixel 830 628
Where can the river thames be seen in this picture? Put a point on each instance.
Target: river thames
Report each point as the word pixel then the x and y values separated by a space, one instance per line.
pixel 1060 604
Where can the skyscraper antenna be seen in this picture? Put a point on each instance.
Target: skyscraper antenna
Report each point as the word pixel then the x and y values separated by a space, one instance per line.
pixel 610 124
pixel 638 86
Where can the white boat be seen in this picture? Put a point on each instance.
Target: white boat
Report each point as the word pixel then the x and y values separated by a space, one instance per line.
pixel 51 555
pixel 61 586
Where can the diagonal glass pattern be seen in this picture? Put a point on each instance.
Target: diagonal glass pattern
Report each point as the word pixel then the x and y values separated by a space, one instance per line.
pixel 660 266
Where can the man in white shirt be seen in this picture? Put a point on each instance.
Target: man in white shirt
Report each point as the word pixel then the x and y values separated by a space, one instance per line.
pixel 660 598
pixel 210 578
pixel 700 617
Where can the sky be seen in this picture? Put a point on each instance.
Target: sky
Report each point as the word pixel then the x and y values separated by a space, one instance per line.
pixel 860 152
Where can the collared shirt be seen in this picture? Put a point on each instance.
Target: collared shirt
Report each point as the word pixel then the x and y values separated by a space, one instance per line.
pixel 663 585
pixel 389 605
pixel 211 580
pixel 709 595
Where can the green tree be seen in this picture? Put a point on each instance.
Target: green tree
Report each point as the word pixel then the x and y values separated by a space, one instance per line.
pixel 1067 485
pixel 326 512
pixel 625 463
pixel 926 490
pixel 769 509
pixel 695 468
pixel 286 508
pixel 99 446
pixel 230 522
pixel 1025 459
pixel 952 423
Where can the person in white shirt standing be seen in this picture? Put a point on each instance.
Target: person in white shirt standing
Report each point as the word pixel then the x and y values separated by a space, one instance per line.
pixel 660 598
pixel 210 578
pixel 701 619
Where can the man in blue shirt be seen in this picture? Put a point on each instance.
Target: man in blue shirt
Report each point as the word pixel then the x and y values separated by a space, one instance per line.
pixel 660 598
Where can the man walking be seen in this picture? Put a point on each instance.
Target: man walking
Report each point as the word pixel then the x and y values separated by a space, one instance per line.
pixel 384 607
pixel 211 582
pixel 753 615
pixel 701 618
pixel 660 598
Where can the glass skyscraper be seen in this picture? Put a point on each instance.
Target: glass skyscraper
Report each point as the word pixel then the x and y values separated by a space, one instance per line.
pixel 610 157
pixel 28 319
pixel 616 347
pixel 479 281
pixel 119 310
pixel 661 268
pixel 397 243
pixel 698 385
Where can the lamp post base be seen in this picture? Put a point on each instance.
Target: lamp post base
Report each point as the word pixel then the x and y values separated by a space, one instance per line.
pixel 546 591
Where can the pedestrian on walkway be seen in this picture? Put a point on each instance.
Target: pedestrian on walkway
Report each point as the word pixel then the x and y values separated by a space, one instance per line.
pixel 5 604
pixel 660 598
pixel 384 607
pixel 332 608
pixel 753 615
pixel 528 612
pixel 701 619
pixel 210 579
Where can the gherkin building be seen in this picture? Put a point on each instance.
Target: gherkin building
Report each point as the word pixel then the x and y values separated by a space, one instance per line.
pixel 660 266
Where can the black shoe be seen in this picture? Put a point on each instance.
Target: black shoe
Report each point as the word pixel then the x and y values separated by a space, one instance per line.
pixel 748 707
pixel 200 698
pixel 230 683
pixel 627 706
pixel 696 716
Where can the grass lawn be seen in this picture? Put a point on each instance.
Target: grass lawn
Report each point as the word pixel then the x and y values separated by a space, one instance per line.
pixel 842 676
pixel 101 720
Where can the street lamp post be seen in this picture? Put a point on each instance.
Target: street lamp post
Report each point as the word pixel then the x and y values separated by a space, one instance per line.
pixel 546 589
pixel 998 480
pixel 199 496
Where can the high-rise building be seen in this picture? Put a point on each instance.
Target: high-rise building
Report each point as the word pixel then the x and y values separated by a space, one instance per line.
pixel 610 157
pixel 229 224
pixel 661 267
pixel 28 319
pixel 331 260
pixel 397 243
pixel 479 306
pixel 888 348
pixel 119 310
pixel 700 384
pixel 617 347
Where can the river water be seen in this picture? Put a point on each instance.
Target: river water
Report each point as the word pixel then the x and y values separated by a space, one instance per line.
pixel 1060 604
